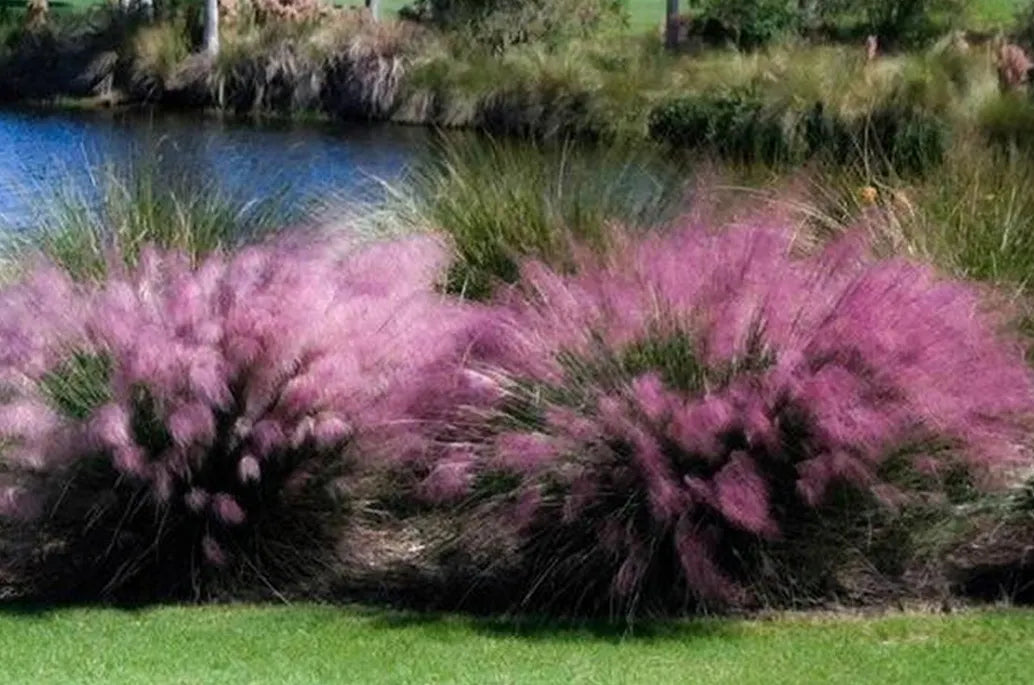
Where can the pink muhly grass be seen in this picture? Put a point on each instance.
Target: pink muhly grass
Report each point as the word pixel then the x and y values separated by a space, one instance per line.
pixel 213 551
pixel 705 374
pixel 249 470
pixel 252 376
pixel 227 510
pixel 28 419
pixel 450 477
pixel 197 500
pixel 17 503
pixel 36 324
pixel 192 424
pixel 741 494
pixel 526 452
pixel 110 427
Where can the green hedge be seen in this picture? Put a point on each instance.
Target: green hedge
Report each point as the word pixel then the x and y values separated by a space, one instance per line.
pixel 735 126
pixel 743 127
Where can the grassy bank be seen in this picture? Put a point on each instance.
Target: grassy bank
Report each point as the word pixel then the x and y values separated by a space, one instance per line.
pixel 649 14
pixel 784 102
pixel 305 644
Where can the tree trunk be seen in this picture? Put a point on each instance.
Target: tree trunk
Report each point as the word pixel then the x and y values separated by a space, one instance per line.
pixel 36 12
pixel 671 25
pixel 211 39
pixel 375 9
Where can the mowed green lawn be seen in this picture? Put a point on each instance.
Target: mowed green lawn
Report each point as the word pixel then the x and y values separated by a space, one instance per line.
pixel 306 644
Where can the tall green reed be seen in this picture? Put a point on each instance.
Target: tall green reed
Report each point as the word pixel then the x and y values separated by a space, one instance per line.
pixel 123 207
pixel 500 201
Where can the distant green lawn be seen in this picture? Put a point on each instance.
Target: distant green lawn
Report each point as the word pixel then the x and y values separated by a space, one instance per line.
pixel 307 644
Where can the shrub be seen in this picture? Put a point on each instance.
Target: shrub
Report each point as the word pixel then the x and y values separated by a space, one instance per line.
pixel 501 23
pixel 291 10
pixel 1023 29
pixel 989 558
pixel 180 431
pixel 1008 121
pixel 156 52
pixel 348 65
pixel 670 413
pixel 745 23
pixel 72 54
pixel 743 127
pixel 738 126
pixel 973 218
pixel 586 90
pixel 892 138
pixel 898 23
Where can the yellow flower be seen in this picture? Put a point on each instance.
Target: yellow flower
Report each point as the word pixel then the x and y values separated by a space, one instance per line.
pixel 868 195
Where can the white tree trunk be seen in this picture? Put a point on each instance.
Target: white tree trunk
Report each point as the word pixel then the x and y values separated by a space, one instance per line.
pixel 375 9
pixel 211 39
pixel 36 12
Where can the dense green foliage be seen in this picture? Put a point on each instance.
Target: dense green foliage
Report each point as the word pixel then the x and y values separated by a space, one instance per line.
pixel 498 24
pixel 746 23
pixel 909 21
pixel 737 126
pixel 742 127
pixel 753 23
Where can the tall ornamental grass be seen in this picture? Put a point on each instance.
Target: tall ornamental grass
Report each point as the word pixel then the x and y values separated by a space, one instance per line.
pixel 973 218
pixel 666 415
pixel 500 202
pixel 181 430
pixel 686 417
pixel 123 209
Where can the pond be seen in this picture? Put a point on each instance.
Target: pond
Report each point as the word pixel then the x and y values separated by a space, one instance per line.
pixel 45 154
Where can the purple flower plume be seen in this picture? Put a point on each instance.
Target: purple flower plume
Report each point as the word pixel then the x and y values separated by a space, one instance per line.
pixel 218 389
pixel 679 387
pixel 686 392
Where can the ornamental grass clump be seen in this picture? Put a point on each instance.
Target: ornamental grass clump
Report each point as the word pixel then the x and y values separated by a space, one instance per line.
pixel 184 431
pixel 669 413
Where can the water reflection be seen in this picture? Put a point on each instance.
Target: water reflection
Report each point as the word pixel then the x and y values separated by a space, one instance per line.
pixel 42 154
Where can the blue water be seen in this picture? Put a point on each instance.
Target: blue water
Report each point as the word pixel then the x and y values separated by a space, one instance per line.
pixel 43 154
